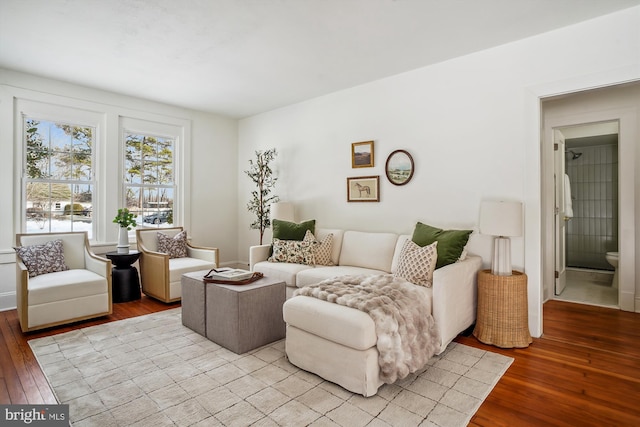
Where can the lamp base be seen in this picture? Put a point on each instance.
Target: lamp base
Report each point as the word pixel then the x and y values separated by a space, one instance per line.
pixel 501 264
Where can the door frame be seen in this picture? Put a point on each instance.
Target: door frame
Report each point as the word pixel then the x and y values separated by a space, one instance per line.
pixel 626 201
pixel 560 222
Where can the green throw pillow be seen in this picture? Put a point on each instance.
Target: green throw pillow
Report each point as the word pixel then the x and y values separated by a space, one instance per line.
pixel 451 243
pixel 286 230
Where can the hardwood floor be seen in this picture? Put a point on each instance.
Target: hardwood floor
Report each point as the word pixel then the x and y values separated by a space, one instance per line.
pixel 584 371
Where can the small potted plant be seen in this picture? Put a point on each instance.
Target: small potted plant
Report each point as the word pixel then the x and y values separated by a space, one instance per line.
pixel 126 220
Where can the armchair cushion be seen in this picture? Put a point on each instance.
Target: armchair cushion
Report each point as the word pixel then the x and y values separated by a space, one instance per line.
pixel 175 247
pixel 42 259
pixel 179 266
pixel 66 286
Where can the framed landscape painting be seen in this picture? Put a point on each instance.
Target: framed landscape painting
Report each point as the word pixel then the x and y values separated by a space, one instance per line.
pixel 363 189
pixel 399 167
pixel 362 154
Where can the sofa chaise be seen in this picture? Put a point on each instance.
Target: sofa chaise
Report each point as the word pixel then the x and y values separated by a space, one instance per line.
pixel 339 343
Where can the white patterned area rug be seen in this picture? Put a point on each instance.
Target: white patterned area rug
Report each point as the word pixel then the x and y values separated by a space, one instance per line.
pixel 153 371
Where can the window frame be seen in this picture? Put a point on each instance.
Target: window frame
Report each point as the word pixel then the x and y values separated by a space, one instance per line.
pixel 106 118
pixel 167 129
pixel 27 109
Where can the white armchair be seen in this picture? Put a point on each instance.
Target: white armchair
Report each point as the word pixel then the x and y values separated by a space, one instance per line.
pixel 48 294
pixel 159 273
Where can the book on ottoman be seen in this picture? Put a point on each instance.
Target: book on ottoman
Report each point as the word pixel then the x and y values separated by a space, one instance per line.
pixel 229 274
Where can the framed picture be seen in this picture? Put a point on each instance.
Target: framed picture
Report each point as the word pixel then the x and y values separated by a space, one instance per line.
pixel 363 189
pixel 399 167
pixel 362 154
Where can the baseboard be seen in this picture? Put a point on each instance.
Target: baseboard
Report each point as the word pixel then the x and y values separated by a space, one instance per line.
pixel 628 301
pixel 7 301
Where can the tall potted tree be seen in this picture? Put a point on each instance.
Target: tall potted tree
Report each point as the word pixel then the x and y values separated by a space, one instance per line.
pixel 260 204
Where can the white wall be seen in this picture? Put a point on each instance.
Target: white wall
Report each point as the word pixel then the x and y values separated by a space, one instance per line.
pixel 472 125
pixel 209 181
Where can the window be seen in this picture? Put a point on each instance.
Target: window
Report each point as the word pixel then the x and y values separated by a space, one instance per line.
pixel 58 170
pixel 149 178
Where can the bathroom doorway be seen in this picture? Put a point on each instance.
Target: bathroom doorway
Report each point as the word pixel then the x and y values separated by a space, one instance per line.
pixel 588 236
pixel 614 104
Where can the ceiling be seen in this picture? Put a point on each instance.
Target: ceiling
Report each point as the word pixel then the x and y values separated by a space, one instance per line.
pixel 243 57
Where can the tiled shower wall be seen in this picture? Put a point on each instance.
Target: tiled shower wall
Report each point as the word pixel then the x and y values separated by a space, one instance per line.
pixel 593 231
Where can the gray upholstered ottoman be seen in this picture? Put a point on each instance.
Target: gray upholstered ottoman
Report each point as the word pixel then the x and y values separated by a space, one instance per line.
pixel 243 317
pixel 193 301
pixel 238 317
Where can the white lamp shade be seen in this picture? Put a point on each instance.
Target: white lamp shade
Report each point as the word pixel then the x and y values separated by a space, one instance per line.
pixel 282 211
pixel 501 218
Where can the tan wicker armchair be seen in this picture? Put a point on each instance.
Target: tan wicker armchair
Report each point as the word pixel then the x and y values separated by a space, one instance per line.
pixel 78 291
pixel 161 275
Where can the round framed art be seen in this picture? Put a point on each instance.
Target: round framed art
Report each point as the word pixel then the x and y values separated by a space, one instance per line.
pixel 399 167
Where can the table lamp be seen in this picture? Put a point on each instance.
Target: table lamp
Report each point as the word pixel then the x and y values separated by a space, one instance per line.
pixel 503 220
pixel 283 211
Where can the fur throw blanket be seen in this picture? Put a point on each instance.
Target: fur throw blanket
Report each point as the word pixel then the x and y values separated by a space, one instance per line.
pixel 407 335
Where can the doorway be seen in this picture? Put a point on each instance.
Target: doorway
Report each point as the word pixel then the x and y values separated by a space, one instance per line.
pixel 586 232
pixel 617 104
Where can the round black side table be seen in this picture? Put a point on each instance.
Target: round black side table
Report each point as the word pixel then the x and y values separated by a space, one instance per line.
pixel 125 282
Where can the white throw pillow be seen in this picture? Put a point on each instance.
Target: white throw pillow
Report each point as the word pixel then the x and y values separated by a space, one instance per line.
pixel 416 263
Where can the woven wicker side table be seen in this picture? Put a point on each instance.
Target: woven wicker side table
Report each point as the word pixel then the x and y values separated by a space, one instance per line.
pixel 503 318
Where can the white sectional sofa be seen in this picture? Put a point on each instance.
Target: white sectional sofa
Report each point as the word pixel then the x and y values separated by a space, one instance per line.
pixel 339 343
pixel 454 291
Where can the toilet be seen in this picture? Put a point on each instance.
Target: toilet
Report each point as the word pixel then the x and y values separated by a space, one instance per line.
pixel 612 258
